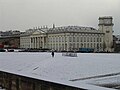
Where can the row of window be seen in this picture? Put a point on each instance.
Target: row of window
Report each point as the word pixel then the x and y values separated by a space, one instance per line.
pixel 24 40
pixel 36 39
pixel 75 39
pixel 25 46
pixel 76 35
pixel 65 39
pixel 82 45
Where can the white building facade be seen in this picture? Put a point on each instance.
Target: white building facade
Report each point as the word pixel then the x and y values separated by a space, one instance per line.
pixel 38 40
pixel 25 41
pixel 34 39
pixel 72 38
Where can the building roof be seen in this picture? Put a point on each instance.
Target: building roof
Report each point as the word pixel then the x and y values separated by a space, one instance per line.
pixel 32 31
pixel 73 29
pixel 27 32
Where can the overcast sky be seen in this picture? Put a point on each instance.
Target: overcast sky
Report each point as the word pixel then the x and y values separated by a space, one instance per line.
pixel 24 14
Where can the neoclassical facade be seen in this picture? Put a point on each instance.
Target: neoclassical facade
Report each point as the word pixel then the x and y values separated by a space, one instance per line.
pixel 38 39
pixel 34 39
pixel 72 38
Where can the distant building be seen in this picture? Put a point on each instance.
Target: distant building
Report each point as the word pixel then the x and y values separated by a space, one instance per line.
pixel 10 39
pixel 116 43
pixel 16 32
pixel 9 33
pixel 72 38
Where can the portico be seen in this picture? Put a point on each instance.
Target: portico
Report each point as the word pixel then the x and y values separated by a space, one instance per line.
pixel 38 40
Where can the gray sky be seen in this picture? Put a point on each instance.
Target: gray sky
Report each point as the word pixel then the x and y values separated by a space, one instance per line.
pixel 24 14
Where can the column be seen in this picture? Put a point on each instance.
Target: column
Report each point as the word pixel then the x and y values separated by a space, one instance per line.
pixel 34 43
pixel 43 42
pixel 38 42
pixel 30 42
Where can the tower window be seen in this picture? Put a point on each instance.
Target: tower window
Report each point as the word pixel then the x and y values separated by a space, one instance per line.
pixel 107 31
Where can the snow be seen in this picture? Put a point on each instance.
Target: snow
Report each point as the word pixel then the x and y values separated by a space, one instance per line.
pixel 62 69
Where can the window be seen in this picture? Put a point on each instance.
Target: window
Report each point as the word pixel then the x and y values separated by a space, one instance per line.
pixel 81 45
pixel 62 39
pixel 73 45
pixel 94 45
pixel 97 39
pixel 73 39
pixel 100 40
pixel 56 39
pixel 94 39
pixel 49 39
pixel 51 45
pixel 77 39
pixel 65 39
pixel 70 46
pixel 81 39
pixel 91 45
pixel 70 39
pixel 87 39
pixel 84 39
pixel 91 39
pixel 88 45
pixel 31 40
pixel 62 46
pixel 84 45
pixel 59 45
pixel 77 45
pixel 59 39
pixel 100 45
pixel 56 46
pixel 97 46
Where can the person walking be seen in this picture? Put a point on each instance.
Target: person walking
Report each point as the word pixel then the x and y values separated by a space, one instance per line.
pixel 52 53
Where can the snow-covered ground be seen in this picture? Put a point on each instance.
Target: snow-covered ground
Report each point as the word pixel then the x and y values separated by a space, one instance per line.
pixel 75 71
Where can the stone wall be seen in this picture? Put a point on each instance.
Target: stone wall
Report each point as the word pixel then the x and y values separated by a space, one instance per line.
pixel 16 82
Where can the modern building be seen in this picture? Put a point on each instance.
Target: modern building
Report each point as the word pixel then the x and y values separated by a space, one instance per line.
pixel 72 38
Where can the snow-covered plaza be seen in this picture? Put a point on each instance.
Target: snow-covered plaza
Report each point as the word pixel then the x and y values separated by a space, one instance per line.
pixel 87 70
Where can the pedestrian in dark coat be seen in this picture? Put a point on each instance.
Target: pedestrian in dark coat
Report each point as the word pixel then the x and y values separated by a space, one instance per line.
pixel 52 53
